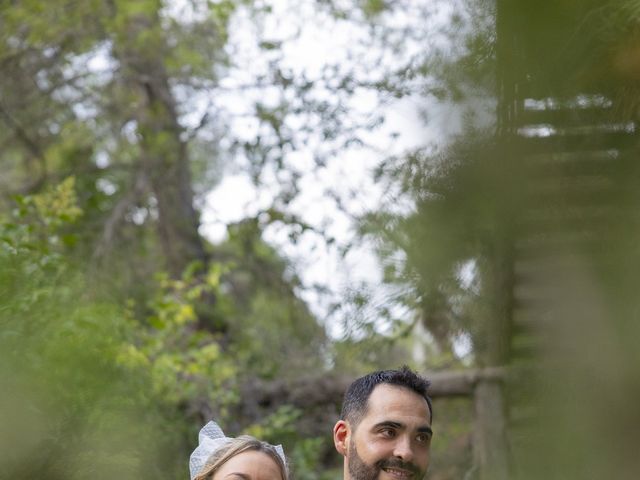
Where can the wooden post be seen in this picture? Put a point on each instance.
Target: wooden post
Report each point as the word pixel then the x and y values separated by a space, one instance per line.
pixel 490 431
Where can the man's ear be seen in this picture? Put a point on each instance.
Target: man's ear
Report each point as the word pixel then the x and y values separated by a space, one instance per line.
pixel 341 433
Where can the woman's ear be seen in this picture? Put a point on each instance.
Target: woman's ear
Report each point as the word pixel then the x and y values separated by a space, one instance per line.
pixel 341 432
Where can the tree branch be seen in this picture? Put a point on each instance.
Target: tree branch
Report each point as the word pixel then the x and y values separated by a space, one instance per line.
pixel 117 216
pixel 23 136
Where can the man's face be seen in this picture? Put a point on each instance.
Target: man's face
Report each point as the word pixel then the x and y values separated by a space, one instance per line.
pixel 393 439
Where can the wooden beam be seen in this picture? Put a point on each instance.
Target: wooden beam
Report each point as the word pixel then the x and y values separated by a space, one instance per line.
pixel 329 388
pixel 461 382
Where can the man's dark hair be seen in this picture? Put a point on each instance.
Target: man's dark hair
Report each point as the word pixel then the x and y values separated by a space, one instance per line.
pixel 354 405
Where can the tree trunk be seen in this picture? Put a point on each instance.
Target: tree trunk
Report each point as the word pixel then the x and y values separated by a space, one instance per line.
pixel 166 155
pixel 163 152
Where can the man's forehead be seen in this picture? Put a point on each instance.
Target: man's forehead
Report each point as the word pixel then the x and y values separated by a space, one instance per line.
pixel 397 401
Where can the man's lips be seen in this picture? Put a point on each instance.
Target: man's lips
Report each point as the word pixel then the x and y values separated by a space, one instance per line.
pixel 398 472
pixel 399 469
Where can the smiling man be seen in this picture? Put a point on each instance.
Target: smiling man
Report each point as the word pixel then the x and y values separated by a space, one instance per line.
pixel 384 431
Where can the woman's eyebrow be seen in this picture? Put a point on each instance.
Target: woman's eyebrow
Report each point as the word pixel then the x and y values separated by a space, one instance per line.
pixel 243 476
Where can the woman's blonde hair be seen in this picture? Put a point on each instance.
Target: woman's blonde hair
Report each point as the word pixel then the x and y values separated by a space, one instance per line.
pixel 235 447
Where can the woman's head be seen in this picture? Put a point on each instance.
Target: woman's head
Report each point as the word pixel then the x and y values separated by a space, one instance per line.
pixel 244 458
pixel 219 457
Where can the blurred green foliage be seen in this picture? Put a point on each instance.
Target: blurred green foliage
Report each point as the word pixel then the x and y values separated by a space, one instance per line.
pixel 92 391
pixel 70 408
pixel 109 365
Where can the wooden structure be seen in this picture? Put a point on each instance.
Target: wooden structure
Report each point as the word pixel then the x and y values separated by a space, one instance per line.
pixel 561 117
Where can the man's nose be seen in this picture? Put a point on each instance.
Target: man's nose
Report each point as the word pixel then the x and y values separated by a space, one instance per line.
pixel 403 449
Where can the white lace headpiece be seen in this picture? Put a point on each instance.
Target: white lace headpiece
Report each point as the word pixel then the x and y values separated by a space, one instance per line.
pixel 210 439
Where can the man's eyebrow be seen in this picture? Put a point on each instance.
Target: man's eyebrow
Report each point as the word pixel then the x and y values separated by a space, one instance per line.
pixel 388 423
pixel 392 424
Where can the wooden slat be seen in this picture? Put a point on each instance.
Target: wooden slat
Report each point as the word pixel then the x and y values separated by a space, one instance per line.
pixel 566 117
pixel 578 143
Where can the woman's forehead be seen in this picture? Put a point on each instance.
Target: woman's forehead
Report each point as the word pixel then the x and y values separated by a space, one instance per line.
pixel 250 465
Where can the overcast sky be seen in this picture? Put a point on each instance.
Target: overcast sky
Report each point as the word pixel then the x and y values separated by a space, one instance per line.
pixel 311 40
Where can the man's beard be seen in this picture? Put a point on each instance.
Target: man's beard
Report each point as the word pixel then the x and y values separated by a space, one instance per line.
pixel 359 470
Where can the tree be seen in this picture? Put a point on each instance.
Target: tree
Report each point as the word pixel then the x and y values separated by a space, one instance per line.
pixel 120 124
pixel 94 92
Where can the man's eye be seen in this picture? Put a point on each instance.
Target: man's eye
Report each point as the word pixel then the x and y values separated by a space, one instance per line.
pixel 423 438
pixel 388 432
